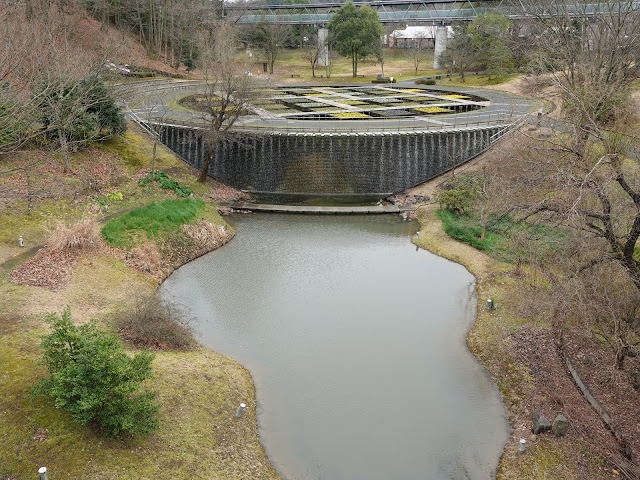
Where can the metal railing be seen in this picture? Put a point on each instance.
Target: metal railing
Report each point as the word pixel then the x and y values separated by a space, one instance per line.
pixel 456 122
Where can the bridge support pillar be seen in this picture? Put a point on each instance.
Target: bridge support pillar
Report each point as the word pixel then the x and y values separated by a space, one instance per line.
pixel 323 47
pixel 440 45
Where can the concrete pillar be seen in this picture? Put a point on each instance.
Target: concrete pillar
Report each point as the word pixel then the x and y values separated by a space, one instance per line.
pixel 323 48
pixel 440 45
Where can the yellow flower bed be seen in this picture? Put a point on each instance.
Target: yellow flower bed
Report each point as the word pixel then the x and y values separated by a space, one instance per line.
pixel 454 95
pixel 350 115
pixel 432 110
pixel 351 102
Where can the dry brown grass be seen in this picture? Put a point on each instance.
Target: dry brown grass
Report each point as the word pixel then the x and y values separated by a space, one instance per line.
pixel 156 323
pixel 82 235
pixel 146 257
pixel 206 234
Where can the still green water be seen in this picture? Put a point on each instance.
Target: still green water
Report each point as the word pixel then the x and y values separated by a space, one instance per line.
pixel 356 343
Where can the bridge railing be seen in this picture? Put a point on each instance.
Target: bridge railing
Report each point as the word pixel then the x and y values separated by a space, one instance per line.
pixel 388 15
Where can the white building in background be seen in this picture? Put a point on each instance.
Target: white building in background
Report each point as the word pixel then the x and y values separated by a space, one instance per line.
pixel 415 37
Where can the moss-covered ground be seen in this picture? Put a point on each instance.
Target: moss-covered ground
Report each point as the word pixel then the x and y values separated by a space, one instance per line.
pixel 200 390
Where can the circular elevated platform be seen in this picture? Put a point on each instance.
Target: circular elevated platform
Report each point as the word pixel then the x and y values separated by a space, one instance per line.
pixel 339 140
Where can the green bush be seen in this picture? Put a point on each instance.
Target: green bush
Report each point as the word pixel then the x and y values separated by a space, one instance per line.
pixel 150 221
pixel 92 378
pixel 460 194
pixel 83 109
pixel 190 63
pixel 166 182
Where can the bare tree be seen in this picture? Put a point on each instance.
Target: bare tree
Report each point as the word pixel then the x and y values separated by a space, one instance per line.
pixel 418 49
pixel 153 112
pixel 227 87
pixel 312 51
pixel 608 307
pixel 270 37
pixel 460 53
pixel 590 185
pixel 39 66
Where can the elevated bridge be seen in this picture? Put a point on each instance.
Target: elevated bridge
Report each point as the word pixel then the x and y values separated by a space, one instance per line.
pixel 424 12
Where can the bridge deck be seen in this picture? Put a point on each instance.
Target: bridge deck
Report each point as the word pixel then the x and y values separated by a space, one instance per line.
pixel 375 209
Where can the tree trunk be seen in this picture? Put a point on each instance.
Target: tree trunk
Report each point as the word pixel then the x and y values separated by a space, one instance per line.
pixel 621 354
pixel 153 155
pixel 205 167
pixel 151 41
pixel 64 149
pixel 354 62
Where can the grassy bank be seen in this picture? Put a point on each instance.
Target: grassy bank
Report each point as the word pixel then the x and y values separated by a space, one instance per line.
pixel 490 340
pixel 200 390
pixel 292 65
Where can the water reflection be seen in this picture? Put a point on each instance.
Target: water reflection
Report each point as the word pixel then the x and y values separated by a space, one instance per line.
pixel 356 345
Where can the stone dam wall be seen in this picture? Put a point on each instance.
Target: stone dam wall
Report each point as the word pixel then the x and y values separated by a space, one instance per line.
pixel 331 163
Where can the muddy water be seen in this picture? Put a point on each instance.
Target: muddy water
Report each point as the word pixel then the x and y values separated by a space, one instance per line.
pixel 355 341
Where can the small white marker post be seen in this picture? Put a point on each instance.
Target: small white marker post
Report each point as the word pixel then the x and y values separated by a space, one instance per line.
pixel 240 409
pixel 43 473
pixel 20 241
pixel 523 444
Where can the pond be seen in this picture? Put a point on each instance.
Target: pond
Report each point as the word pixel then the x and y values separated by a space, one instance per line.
pixel 356 344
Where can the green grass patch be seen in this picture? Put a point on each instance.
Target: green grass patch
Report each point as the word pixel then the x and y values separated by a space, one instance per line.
pixel 153 221
pixel 198 389
pixel 504 239
pixel 135 150
pixel 465 229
